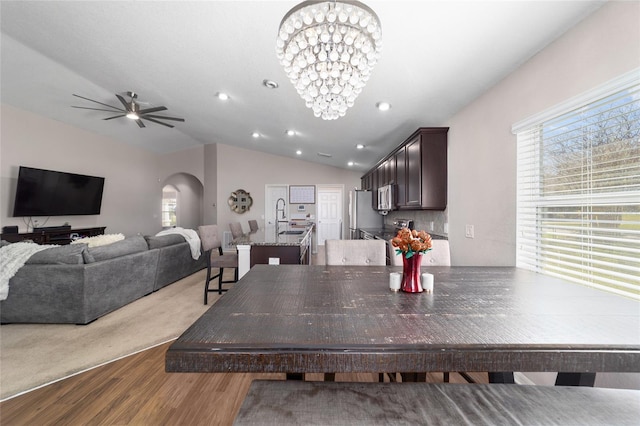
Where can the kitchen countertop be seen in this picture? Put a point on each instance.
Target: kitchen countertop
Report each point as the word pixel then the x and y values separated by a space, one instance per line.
pixel 262 238
pixel 388 233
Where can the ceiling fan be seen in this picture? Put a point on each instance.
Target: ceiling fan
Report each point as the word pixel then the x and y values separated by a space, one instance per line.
pixel 132 110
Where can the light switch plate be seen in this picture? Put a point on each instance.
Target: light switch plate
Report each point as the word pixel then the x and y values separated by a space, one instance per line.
pixel 469 231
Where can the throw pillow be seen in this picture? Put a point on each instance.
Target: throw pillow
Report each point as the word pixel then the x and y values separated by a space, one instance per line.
pixel 99 240
pixel 119 248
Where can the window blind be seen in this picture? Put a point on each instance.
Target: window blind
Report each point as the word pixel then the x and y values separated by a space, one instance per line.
pixel 578 191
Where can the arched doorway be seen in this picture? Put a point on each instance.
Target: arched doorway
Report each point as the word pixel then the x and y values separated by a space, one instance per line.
pixel 182 195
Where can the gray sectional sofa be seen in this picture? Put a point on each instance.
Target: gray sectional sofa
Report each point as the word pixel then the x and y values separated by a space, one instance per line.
pixel 77 284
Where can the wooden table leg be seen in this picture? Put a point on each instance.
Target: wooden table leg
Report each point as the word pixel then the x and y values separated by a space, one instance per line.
pixel 576 379
pixel 502 377
pixel 414 377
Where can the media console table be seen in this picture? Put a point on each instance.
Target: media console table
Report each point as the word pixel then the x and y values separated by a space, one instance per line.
pixel 54 236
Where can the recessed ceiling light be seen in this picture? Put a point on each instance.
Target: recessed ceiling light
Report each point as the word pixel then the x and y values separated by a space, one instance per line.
pixel 255 134
pixel 222 96
pixel 350 163
pixel 360 146
pixel 383 106
pixel 299 152
pixel 291 132
pixel 270 84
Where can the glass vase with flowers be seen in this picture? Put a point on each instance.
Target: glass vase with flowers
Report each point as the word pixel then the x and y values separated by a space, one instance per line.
pixel 411 244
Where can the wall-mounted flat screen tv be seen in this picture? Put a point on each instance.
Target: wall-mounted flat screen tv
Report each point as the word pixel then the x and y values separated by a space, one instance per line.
pixel 50 193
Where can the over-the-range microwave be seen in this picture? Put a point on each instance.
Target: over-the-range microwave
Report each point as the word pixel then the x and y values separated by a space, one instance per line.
pixel 385 198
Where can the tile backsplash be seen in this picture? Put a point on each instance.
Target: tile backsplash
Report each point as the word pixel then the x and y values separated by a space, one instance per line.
pixel 421 219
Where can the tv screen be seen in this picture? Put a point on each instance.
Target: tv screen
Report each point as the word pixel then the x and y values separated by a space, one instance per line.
pixel 50 193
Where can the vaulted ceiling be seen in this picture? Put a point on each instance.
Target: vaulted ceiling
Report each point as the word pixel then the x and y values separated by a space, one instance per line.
pixel 437 57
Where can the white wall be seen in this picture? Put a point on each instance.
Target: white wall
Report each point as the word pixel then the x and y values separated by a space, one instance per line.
pixel 482 150
pixel 251 170
pixel 132 192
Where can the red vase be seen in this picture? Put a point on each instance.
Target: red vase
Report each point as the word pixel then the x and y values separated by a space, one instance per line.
pixel 411 274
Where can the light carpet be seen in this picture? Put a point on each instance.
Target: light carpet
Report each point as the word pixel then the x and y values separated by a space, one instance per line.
pixel 32 355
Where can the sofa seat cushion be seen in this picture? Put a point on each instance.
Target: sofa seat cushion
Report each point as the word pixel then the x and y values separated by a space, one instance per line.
pixel 69 255
pixel 119 248
pixel 155 242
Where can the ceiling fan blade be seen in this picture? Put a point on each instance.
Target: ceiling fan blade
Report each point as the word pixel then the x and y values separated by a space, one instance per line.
pixel 115 116
pixel 164 118
pixel 97 109
pixel 127 107
pixel 140 123
pixel 154 109
pixel 146 117
pixel 87 99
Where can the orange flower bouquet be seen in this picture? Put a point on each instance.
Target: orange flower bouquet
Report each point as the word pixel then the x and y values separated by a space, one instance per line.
pixel 409 242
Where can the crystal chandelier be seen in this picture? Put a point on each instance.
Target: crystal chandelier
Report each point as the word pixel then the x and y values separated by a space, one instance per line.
pixel 328 50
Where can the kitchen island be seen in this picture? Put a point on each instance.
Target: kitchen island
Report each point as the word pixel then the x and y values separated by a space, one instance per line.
pixel 265 247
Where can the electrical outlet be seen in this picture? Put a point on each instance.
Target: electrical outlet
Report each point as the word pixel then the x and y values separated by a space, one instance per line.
pixel 431 226
pixel 469 231
pixel 446 228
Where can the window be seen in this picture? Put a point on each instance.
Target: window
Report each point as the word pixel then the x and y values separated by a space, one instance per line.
pixel 169 206
pixel 578 195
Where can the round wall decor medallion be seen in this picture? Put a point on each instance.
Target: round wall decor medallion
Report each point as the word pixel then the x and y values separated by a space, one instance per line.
pixel 240 201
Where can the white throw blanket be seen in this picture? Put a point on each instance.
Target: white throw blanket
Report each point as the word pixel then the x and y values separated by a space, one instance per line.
pixel 12 258
pixel 190 235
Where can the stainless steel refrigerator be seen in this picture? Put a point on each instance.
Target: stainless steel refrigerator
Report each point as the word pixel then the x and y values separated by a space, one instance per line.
pixel 362 214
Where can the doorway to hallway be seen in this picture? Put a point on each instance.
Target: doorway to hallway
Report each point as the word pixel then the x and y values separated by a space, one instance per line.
pixel 329 212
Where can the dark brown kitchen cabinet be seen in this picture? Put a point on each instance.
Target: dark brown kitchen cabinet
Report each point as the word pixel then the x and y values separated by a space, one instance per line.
pixel 390 170
pixel 418 170
pixel 382 175
pixel 374 189
pixel 426 173
pixel 414 174
pixel 366 182
pixel 401 177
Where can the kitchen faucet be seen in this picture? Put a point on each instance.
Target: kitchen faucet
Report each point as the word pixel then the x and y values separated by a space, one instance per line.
pixel 280 209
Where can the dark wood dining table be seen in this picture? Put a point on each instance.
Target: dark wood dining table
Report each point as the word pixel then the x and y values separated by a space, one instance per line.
pixel 333 319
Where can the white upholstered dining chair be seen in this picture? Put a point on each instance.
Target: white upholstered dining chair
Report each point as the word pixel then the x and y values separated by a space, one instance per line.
pixel 216 258
pixel 439 255
pixel 355 252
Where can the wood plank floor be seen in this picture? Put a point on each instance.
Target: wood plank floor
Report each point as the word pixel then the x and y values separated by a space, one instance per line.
pixel 136 391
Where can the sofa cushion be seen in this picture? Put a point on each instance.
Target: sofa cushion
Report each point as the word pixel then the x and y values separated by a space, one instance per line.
pixel 69 254
pixel 119 248
pixel 155 242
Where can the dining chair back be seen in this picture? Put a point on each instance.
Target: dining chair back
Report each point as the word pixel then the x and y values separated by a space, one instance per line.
pixel 253 225
pixel 355 252
pixel 216 258
pixel 236 229
pixel 439 255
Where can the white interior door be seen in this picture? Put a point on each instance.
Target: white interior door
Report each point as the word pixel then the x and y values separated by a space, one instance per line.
pixel 272 194
pixel 329 213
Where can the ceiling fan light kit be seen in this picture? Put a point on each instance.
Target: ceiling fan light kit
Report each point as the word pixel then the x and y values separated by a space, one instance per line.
pixel 132 110
pixel 328 50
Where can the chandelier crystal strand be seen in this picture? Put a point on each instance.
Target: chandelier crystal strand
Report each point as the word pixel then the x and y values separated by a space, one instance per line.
pixel 328 50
